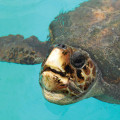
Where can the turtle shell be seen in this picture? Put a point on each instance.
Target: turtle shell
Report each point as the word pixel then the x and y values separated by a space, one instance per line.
pixel 94 27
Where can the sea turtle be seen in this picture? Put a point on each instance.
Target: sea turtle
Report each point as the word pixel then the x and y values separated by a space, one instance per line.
pixel 83 54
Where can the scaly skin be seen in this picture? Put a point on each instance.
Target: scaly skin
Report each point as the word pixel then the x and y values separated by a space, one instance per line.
pixel 95 28
pixel 16 49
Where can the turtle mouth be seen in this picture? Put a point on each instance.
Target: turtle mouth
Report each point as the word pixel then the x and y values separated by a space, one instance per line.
pixel 54 91
pixel 62 82
pixel 54 70
pixel 53 80
pixel 57 97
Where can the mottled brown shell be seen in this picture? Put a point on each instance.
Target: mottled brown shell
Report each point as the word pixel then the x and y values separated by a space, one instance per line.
pixel 94 27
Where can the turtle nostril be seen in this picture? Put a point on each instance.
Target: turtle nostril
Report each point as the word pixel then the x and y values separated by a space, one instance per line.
pixel 61 46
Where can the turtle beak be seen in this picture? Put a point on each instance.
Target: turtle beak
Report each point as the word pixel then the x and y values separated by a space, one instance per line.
pixel 57 58
pixel 54 78
pixel 53 74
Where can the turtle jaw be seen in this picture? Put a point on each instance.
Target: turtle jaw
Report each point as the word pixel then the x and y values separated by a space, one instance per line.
pixel 58 98
pixel 61 82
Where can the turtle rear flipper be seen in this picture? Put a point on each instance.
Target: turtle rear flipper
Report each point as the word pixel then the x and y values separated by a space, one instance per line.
pixel 16 49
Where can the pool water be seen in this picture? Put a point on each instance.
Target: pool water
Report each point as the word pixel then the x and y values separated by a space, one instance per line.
pixel 20 94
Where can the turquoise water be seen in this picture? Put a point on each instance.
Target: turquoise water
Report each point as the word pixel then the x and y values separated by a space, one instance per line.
pixel 20 93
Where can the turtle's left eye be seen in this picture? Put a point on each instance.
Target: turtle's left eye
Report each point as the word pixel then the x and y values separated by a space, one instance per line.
pixel 77 60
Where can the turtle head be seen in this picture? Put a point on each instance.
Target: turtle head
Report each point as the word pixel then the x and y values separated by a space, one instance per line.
pixel 67 75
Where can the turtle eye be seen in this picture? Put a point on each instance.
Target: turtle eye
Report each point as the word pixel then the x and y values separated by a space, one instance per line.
pixel 62 46
pixel 77 60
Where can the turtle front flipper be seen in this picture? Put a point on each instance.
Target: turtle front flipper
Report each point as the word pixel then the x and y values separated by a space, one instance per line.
pixel 16 49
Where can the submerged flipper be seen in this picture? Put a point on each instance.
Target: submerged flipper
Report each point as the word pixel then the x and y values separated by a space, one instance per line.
pixel 16 49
